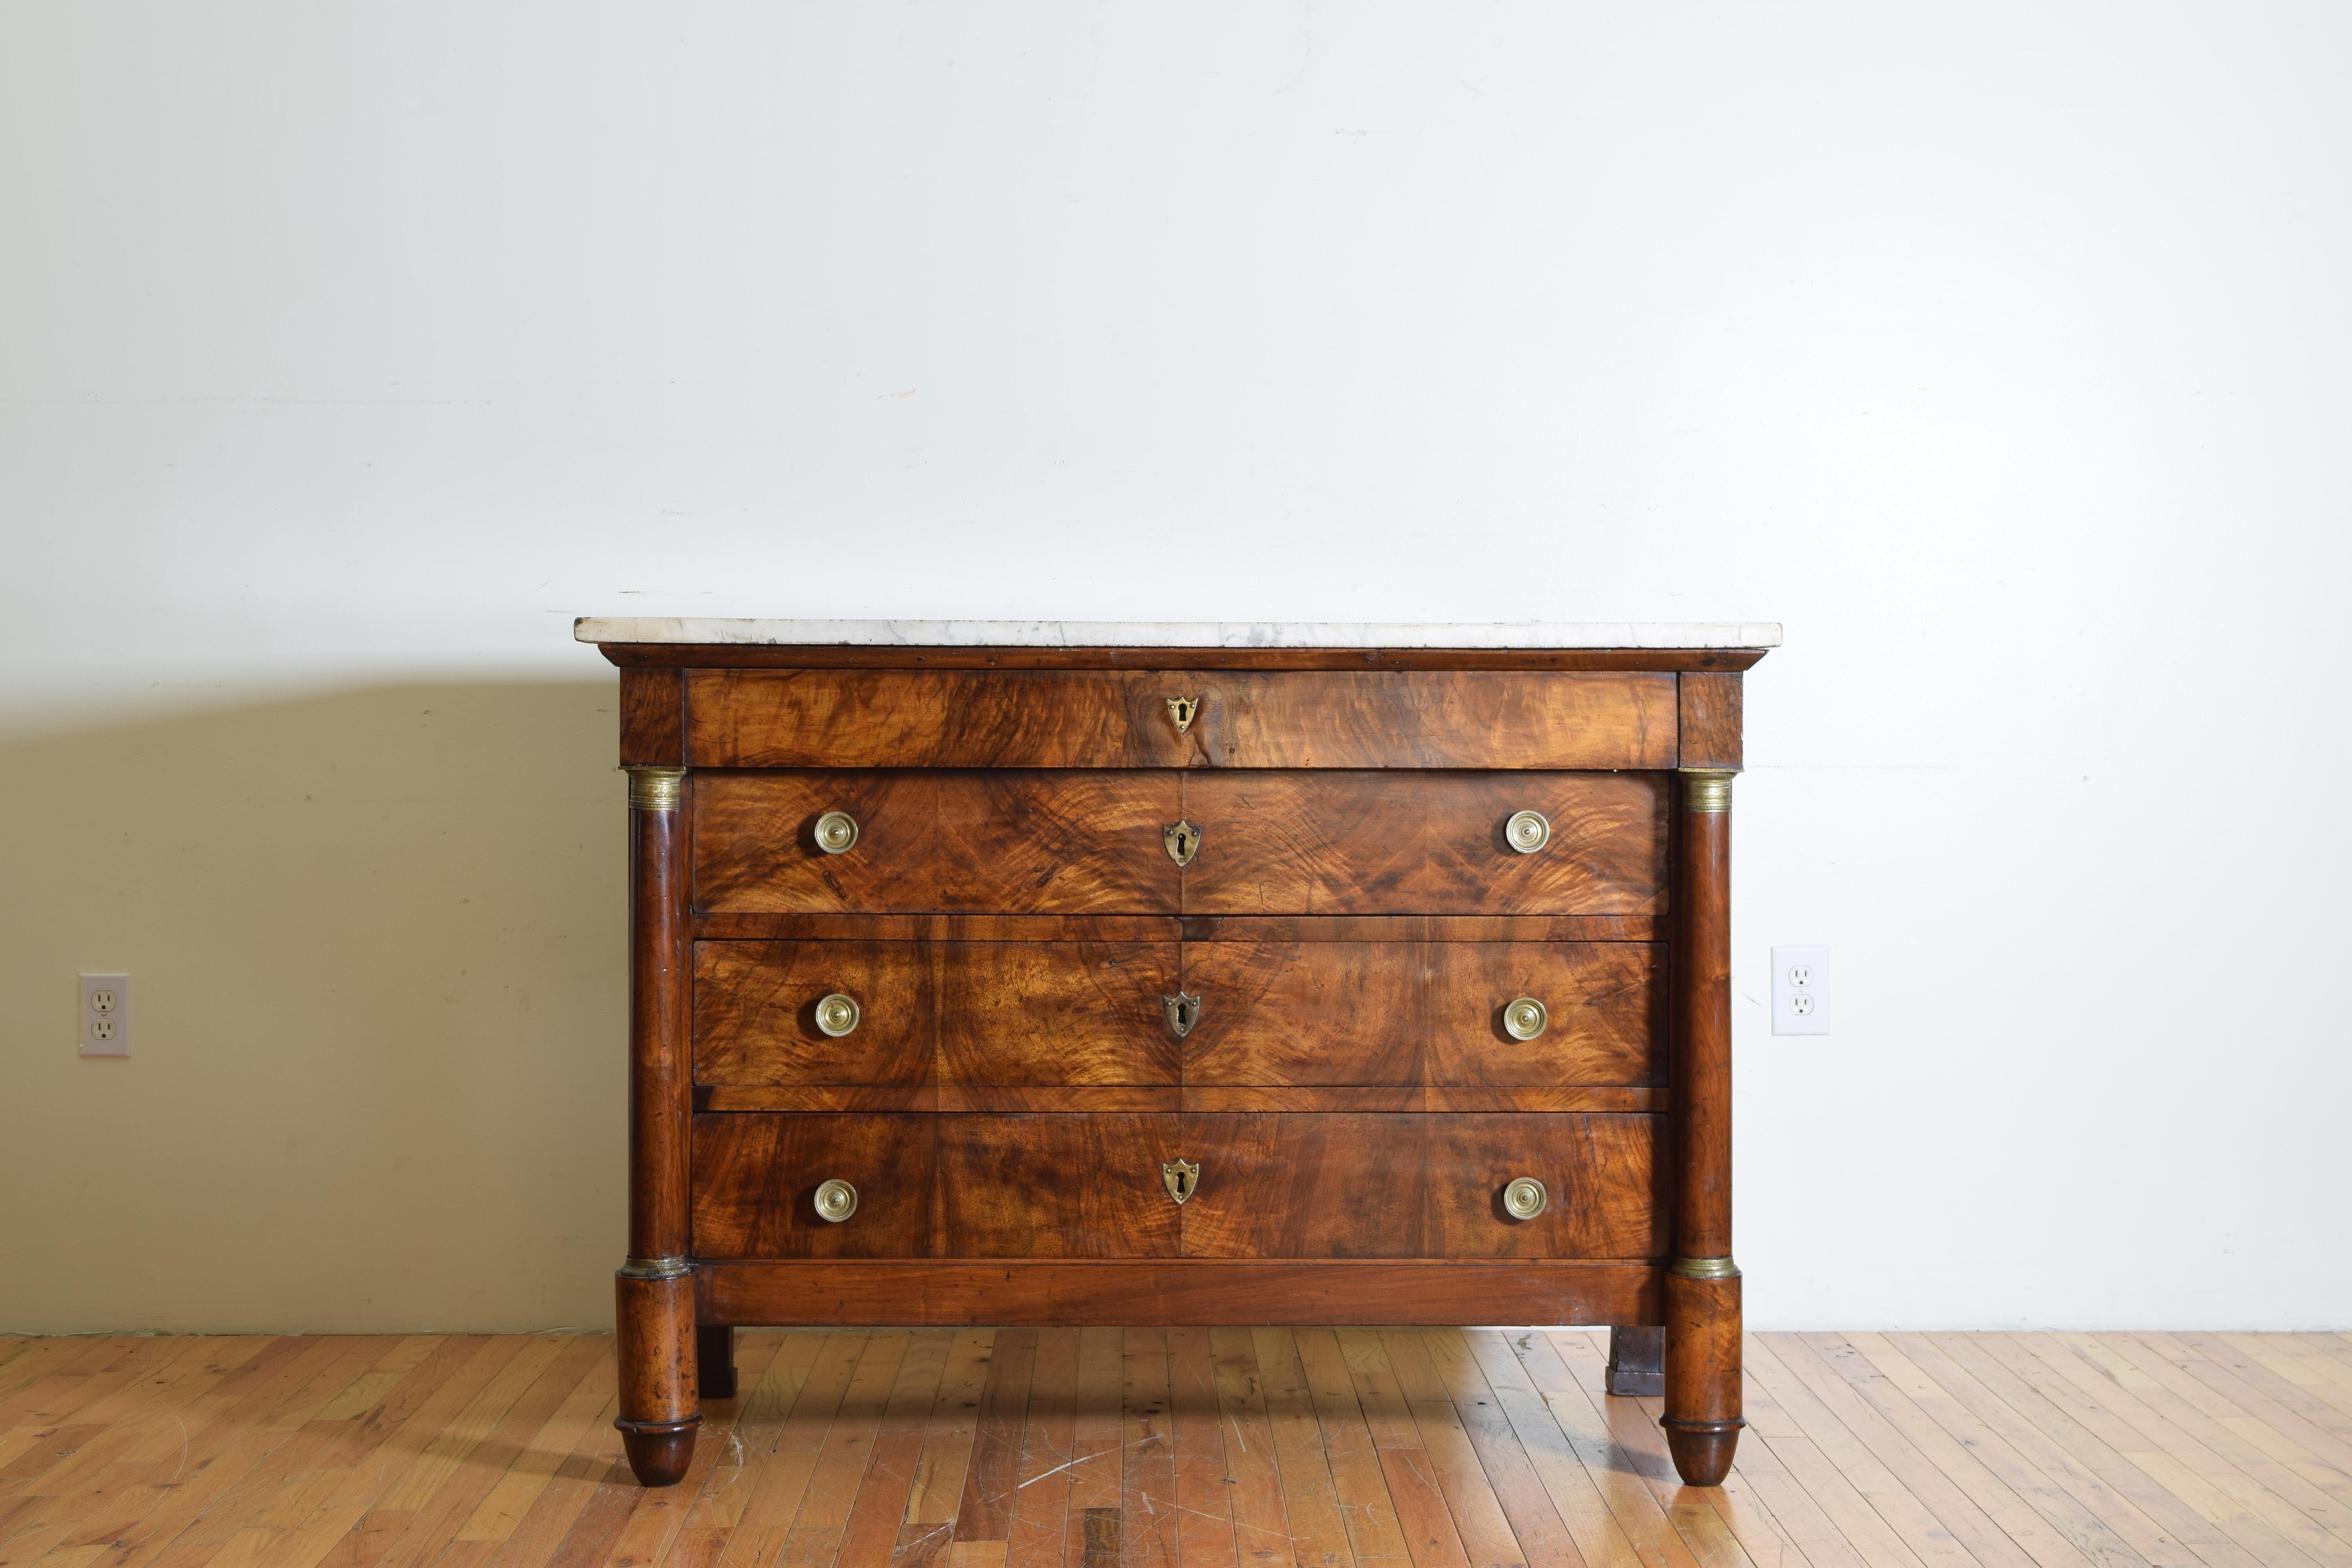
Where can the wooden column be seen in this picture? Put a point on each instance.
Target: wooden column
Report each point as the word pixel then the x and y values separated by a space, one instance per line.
pixel 659 1408
pixel 1702 1418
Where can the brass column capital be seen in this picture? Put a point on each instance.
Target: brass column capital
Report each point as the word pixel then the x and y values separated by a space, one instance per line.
pixel 654 789
pixel 1704 1269
pixel 1706 789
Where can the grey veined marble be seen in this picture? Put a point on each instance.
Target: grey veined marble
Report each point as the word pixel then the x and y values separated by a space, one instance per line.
pixel 1182 634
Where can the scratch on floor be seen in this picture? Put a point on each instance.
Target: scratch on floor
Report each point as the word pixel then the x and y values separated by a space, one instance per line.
pixel 1220 1518
pixel 900 1550
pixel 1057 1469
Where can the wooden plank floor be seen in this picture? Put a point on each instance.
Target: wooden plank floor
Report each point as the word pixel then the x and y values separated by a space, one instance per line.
pixel 1175 1448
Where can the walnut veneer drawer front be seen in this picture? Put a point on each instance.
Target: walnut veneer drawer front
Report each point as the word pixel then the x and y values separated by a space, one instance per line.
pixel 1011 842
pixel 935 1186
pixel 1123 719
pixel 1425 1014
pixel 1008 1013
pixel 1072 842
pixel 1278 1184
pixel 1335 1185
pixel 1424 843
pixel 959 1012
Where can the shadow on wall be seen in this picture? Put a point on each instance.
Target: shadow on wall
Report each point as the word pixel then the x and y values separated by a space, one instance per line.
pixel 375 943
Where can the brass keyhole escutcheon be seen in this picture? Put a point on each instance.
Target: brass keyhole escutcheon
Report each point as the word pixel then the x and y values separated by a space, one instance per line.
pixel 1182 1178
pixel 837 1015
pixel 837 1200
pixel 1183 1011
pixel 1528 831
pixel 1524 1019
pixel 1524 1198
pixel 1182 711
pixel 1183 842
pixel 835 831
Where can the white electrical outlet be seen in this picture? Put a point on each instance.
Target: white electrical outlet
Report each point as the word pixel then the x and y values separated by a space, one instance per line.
pixel 106 1015
pixel 1801 990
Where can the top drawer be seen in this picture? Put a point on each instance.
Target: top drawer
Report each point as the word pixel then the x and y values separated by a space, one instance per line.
pixel 1130 719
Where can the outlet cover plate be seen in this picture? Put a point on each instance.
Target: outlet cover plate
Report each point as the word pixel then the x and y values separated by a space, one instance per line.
pixel 105 1016
pixel 1801 990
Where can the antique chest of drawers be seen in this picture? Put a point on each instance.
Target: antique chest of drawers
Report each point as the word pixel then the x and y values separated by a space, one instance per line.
pixel 1120 975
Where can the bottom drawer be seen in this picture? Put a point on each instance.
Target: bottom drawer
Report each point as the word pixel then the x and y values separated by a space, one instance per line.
pixel 933 1185
pixel 1425 1186
pixel 1270 1185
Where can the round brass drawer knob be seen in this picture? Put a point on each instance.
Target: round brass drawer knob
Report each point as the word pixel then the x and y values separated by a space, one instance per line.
pixel 837 1200
pixel 1524 1199
pixel 1523 1019
pixel 837 1015
pixel 835 831
pixel 1528 831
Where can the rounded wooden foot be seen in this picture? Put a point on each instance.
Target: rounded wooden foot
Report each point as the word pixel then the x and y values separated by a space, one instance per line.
pixel 659 1451
pixel 1703 1458
pixel 655 1356
pixel 1702 1369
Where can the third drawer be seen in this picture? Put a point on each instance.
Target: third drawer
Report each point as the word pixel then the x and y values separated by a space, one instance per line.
pixel 999 1014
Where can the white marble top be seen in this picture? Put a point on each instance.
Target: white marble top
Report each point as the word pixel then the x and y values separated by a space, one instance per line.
pixel 1181 634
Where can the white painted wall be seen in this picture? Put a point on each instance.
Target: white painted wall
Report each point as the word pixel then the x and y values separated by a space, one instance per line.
pixel 346 352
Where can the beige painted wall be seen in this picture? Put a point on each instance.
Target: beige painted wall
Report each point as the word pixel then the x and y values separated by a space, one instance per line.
pixel 374 939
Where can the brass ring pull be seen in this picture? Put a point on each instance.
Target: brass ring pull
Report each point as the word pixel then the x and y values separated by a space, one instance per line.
pixel 1183 1011
pixel 835 831
pixel 1183 842
pixel 1524 1198
pixel 837 1015
pixel 1528 831
pixel 1524 1019
pixel 837 1200
pixel 1182 1178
